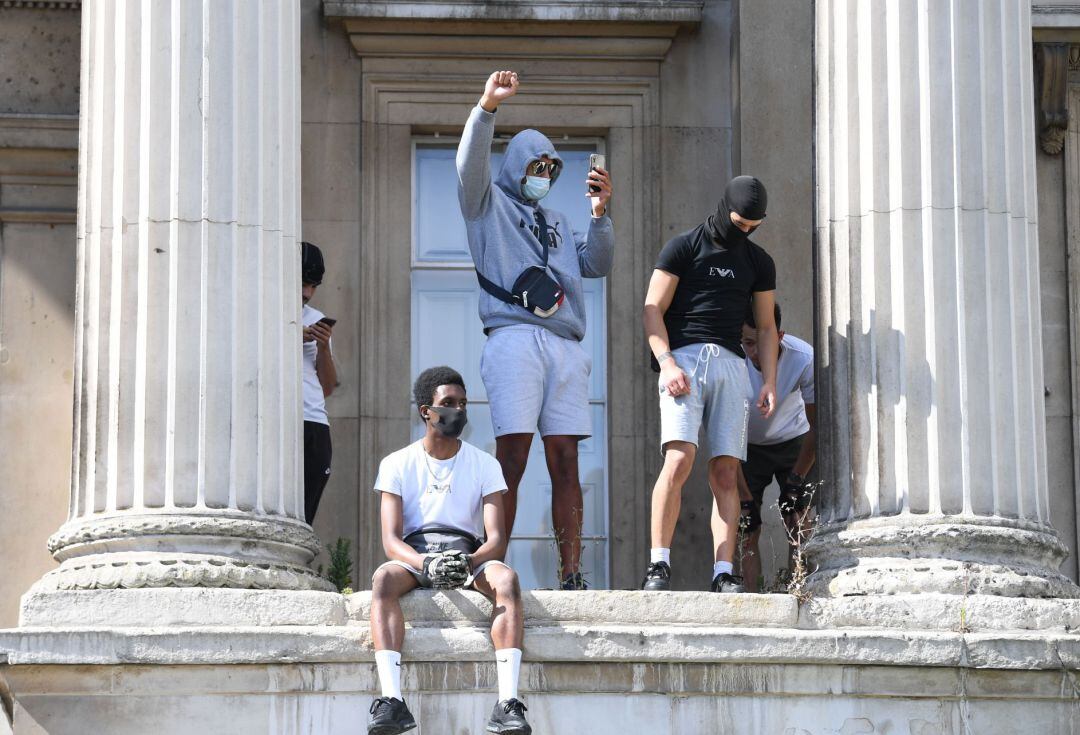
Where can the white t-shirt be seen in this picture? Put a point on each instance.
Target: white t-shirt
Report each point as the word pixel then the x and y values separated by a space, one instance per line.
pixel 794 389
pixel 314 400
pixel 441 492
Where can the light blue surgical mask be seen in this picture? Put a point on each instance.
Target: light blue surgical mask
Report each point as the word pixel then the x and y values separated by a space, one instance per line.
pixel 536 187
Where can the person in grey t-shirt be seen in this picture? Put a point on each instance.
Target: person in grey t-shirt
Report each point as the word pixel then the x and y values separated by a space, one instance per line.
pixel 534 369
pixel 783 446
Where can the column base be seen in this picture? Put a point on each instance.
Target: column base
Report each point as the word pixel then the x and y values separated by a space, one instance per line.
pixel 184 550
pixel 952 555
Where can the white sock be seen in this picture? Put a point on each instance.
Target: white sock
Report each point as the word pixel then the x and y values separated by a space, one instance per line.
pixel 659 554
pixel 389 665
pixel 508 666
pixel 720 567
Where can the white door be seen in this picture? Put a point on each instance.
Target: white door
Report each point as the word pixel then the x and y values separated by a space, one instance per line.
pixel 447 331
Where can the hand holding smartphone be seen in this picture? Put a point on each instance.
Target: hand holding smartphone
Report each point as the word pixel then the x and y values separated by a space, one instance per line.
pixel 596 161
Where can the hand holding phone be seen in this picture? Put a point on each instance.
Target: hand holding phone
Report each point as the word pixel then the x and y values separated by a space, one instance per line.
pixel 597 161
pixel 599 185
pixel 327 321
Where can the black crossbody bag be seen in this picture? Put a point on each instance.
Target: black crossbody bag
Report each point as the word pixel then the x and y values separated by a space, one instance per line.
pixel 433 539
pixel 534 290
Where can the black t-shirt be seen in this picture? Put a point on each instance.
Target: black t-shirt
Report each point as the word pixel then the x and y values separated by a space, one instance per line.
pixel 715 286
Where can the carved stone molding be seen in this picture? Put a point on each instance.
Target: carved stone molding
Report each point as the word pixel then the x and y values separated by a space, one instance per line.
pixel 519 29
pixel 1051 61
pixel 134 527
pixel 945 554
pixel 115 571
pixel 42 4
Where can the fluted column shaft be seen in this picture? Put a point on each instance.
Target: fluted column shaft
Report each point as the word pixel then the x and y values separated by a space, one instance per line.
pixel 929 338
pixel 187 467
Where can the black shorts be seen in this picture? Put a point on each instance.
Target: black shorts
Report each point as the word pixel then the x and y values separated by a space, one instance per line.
pixel 317 454
pixel 764 462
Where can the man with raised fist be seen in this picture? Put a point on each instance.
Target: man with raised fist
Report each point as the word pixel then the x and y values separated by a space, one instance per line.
pixel 530 263
pixel 442 528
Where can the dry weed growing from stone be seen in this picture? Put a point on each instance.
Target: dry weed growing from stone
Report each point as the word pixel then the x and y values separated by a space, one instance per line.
pixel 798 537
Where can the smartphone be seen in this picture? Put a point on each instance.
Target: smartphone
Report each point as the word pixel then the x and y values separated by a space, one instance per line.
pixel 596 160
pixel 327 321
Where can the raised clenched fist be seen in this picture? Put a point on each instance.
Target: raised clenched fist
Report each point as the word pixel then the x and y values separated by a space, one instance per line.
pixel 501 85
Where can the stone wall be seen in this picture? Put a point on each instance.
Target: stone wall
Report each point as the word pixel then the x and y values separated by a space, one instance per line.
pixel 597 662
pixel 39 105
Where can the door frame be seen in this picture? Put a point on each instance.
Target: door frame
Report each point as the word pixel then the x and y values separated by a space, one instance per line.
pixel 622 107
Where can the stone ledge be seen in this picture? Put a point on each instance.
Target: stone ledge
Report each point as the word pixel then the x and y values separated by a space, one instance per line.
pixel 567 643
pixel 680 679
pixel 608 607
pixel 596 11
pixel 185 607
pixel 198 606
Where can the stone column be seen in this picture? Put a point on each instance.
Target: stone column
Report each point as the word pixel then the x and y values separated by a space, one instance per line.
pixel 187 466
pixel 930 384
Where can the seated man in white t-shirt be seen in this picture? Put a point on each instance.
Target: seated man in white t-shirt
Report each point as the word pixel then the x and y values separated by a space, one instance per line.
pixel 442 527
pixel 783 447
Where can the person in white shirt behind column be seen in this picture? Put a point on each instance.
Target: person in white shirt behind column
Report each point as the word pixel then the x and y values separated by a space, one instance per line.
pixel 320 379
pixel 443 528
pixel 783 446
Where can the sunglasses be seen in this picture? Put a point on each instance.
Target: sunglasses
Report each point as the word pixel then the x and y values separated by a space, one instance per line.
pixel 538 168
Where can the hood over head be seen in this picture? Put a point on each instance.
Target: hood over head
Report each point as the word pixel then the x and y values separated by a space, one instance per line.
pixel 524 148
pixel 744 195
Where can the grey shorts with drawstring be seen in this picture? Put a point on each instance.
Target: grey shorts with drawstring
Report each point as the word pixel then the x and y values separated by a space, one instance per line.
pixel 718 402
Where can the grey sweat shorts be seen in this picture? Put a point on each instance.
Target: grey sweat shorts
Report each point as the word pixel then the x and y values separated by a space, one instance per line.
pixel 536 380
pixel 718 402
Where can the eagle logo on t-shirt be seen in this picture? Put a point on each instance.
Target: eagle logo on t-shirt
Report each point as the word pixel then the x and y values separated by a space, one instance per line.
pixel 722 272
pixel 439 487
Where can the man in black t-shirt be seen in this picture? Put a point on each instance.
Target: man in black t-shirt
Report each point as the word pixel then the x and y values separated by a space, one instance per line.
pixel 704 283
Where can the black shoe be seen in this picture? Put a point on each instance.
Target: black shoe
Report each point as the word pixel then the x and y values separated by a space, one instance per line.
pixel 574 581
pixel 389 716
pixel 724 582
pixel 508 718
pixel 658 577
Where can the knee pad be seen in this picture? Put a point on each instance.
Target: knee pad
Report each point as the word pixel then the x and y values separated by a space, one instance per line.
pixel 750 516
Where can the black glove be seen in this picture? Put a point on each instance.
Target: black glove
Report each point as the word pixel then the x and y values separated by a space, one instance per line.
pixel 446 570
pixel 750 517
pixel 795 494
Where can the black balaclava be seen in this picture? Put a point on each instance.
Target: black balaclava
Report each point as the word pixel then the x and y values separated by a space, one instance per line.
pixel 312 267
pixel 744 195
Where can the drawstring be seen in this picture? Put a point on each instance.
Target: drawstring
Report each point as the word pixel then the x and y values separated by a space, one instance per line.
pixel 708 351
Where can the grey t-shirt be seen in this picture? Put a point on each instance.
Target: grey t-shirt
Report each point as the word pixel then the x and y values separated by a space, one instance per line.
pixel 794 389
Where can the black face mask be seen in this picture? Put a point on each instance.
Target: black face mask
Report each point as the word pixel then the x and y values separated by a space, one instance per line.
pixel 451 421
pixel 745 196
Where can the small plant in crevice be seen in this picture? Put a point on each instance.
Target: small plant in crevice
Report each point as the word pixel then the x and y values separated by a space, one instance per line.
pixel 340 571
pixel 799 534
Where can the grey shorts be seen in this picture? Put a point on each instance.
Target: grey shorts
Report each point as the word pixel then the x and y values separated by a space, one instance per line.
pixel 536 380
pixel 718 402
pixel 420 578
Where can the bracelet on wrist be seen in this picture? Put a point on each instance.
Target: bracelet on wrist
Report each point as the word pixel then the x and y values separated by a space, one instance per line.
pixel 663 356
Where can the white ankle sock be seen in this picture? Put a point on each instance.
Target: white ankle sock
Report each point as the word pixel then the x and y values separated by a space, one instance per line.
pixel 660 554
pixel 508 667
pixel 389 665
pixel 720 567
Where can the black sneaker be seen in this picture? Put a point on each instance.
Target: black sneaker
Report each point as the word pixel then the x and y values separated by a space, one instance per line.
pixel 574 581
pixel 389 716
pixel 724 582
pixel 658 577
pixel 508 718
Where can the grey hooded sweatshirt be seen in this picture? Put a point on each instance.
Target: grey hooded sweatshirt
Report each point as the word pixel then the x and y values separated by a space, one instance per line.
pixel 501 225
